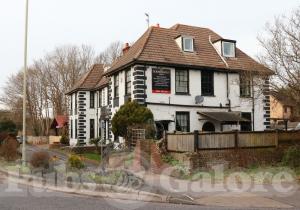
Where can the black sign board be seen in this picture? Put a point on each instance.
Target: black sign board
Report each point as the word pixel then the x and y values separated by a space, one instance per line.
pixel 161 81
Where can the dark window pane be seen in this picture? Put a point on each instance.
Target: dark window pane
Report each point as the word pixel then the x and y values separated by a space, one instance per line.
pixel 92 128
pixel 92 100
pixel 183 121
pixel 245 86
pixel 207 83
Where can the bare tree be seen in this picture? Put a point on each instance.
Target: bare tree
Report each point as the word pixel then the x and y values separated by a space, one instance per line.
pixel 110 54
pixel 281 45
pixel 48 80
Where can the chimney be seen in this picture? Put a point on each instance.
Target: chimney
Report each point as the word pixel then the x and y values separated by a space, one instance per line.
pixel 126 48
pixel 157 25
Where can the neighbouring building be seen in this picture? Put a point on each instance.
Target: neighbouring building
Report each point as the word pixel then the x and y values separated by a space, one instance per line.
pixel 60 125
pixel 189 77
pixel 283 111
pixel 88 115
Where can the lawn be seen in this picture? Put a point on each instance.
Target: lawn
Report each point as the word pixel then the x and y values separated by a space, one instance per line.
pixel 92 156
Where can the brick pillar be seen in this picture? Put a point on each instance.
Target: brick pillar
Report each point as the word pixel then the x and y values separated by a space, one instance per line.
pixel 141 155
pixel 156 165
pixel 137 161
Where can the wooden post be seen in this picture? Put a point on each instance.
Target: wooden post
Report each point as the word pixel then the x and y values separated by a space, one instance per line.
pixel 55 178
pixel 236 139
pixel 276 138
pixel 196 139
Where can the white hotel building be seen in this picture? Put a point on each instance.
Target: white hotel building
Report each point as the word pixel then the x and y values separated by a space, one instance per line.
pixel 189 77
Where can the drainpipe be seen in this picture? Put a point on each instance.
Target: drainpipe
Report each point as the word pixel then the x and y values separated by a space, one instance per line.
pixel 227 92
pixel 253 105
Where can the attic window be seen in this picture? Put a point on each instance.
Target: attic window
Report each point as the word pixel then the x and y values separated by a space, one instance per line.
pixel 228 49
pixel 188 44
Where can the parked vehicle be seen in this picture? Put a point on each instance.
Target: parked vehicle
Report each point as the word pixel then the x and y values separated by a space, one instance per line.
pixel 297 128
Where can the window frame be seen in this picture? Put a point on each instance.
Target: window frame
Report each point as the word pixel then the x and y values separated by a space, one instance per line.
pixel 92 128
pixel 92 100
pixel 71 131
pixel 223 49
pixel 184 46
pixel 188 81
pixel 76 131
pixel 75 109
pixel 246 126
pixel 211 83
pixel 116 87
pixel 71 105
pixel 128 85
pixel 188 120
pixel 244 87
pixel 99 98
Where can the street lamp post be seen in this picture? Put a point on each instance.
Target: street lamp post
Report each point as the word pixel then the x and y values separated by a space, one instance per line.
pixel 24 86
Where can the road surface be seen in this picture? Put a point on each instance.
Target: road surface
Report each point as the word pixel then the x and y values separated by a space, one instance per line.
pixel 27 198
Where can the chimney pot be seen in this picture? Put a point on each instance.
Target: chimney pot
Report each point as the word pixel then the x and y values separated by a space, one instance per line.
pixel 126 48
pixel 157 25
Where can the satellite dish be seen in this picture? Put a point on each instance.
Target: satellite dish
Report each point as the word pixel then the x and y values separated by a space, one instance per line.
pixel 199 99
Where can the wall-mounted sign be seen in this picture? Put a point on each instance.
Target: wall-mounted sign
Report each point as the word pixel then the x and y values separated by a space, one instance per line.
pixel 161 81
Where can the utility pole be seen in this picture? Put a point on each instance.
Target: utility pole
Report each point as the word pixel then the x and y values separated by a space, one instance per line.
pixel 24 86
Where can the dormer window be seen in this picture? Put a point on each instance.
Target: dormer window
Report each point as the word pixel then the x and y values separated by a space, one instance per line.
pixel 225 47
pixel 188 44
pixel 228 49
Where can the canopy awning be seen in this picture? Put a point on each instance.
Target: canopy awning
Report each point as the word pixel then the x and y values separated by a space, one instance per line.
pixel 224 117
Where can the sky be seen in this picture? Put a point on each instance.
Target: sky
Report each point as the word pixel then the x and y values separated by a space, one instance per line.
pixel 98 23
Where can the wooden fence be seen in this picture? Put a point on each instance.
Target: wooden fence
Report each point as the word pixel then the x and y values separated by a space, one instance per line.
pixel 192 142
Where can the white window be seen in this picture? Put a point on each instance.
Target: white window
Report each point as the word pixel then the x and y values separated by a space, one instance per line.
pixel 228 49
pixel 188 44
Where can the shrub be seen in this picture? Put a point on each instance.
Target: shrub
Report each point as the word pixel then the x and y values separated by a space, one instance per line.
pixel 75 162
pixel 9 148
pixel 130 114
pixel 291 157
pixel 96 142
pixel 40 159
pixel 170 160
pixel 65 140
pixel 8 126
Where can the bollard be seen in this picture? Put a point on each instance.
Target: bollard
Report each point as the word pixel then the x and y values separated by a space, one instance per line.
pixel 55 178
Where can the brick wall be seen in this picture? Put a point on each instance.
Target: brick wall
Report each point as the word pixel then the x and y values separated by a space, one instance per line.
pixel 230 158
pixel 147 156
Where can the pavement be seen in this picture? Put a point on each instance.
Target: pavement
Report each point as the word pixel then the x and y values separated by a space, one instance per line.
pixel 215 199
pixel 28 198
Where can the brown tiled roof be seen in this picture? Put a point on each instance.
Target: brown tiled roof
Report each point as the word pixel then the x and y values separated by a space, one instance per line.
pixel 89 80
pixel 103 82
pixel 158 46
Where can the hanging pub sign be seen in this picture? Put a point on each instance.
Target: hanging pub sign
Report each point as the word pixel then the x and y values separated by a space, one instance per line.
pixel 161 81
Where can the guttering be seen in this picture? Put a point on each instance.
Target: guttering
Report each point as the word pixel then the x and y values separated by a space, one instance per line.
pixel 184 105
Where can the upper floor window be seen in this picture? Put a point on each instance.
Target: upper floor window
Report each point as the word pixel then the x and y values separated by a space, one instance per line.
pixel 245 86
pixel 71 105
pixel 104 98
pixel 182 81
pixel 128 82
pixel 207 83
pixel 92 100
pixel 228 49
pixel 116 86
pixel 100 98
pixel 75 103
pixel 188 44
